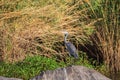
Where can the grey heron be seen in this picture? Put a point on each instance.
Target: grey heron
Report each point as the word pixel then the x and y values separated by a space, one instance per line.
pixel 69 46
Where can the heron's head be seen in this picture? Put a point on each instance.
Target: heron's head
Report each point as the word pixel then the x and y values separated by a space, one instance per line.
pixel 65 33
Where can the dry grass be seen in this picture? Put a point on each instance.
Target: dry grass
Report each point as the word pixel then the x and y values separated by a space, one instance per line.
pixel 106 40
pixel 37 30
pixel 34 28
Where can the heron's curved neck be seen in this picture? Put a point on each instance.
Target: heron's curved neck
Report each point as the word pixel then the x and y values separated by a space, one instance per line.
pixel 65 38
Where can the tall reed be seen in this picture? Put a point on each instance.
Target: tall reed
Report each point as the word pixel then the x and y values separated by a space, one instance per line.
pixel 106 39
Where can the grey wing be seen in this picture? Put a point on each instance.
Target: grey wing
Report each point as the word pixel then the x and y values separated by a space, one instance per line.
pixel 72 50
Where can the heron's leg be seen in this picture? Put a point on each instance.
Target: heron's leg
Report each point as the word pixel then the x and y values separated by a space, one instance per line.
pixel 72 61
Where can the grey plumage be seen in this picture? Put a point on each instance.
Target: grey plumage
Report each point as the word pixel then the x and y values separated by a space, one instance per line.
pixel 70 47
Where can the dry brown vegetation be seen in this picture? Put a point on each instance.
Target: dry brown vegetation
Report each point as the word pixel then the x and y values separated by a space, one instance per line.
pixel 107 37
pixel 37 30
pixel 34 28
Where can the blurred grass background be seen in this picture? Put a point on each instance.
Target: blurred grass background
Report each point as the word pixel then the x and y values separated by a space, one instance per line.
pixel 33 28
